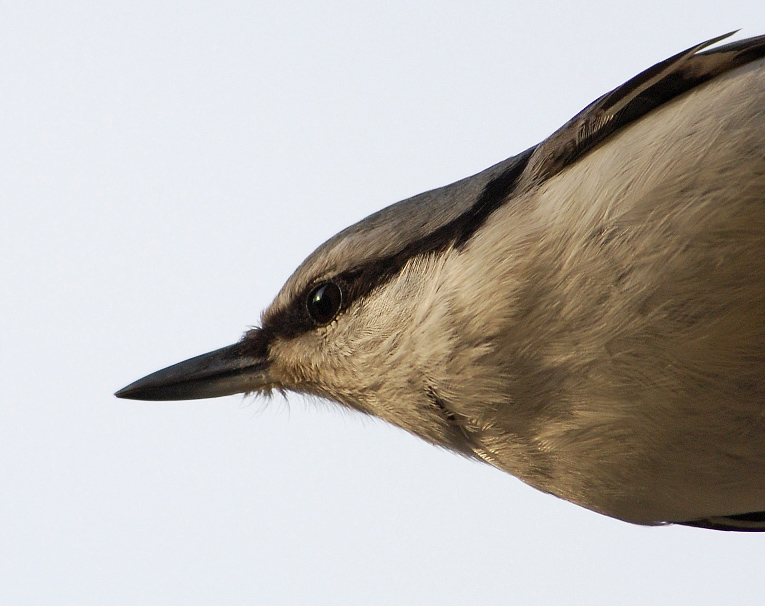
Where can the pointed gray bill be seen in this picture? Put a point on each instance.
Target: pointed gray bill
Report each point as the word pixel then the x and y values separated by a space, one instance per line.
pixel 222 372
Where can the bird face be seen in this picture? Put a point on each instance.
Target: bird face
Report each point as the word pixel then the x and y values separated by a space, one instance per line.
pixel 375 353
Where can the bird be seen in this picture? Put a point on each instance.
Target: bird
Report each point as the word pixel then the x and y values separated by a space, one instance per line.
pixel 587 315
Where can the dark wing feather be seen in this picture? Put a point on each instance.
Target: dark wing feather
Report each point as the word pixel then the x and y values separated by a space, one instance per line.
pixel 745 522
pixel 634 99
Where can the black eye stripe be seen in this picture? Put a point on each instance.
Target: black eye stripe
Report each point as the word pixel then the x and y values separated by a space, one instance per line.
pixel 359 281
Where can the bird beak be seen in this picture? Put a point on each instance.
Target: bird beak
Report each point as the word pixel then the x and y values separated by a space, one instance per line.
pixel 222 372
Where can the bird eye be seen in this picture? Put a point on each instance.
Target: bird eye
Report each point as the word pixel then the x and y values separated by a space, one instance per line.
pixel 324 302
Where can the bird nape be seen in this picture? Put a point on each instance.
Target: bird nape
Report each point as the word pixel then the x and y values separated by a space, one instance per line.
pixel 588 315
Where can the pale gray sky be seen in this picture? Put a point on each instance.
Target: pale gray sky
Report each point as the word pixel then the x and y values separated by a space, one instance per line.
pixel 165 166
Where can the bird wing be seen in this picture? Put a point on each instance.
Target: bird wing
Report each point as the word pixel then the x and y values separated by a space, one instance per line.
pixel 745 522
pixel 635 98
pixel 628 103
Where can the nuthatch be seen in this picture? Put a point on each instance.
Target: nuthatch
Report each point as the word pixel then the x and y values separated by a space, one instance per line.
pixel 588 315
